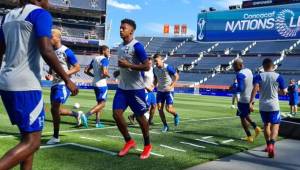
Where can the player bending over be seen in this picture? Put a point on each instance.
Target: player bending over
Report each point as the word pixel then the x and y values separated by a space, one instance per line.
pixel 25 35
pixel 268 84
pixel 99 65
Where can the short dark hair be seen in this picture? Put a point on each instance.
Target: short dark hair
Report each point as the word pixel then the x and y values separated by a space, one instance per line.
pixel 267 63
pixel 157 55
pixel 129 22
pixel 103 48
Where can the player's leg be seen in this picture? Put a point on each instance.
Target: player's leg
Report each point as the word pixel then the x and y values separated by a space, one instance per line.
pixel 119 106
pixel 170 107
pixel 257 129
pixel 29 144
pixel 275 119
pixel 152 112
pixel 55 108
pixel 243 112
pixel 138 104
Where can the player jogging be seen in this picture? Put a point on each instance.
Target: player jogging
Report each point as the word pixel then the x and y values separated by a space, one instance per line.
pixel 99 65
pixel 133 61
pixel 24 37
pixel 235 94
pixel 165 79
pixel 59 92
pixel 293 98
pixel 269 83
pixel 244 78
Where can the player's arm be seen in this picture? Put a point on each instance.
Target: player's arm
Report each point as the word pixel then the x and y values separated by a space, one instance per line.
pixel 240 82
pixel 256 81
pixel 73 61
pixel 155 81
pixel 116 73
pixel 142 56
pixel 42 26
pixel 173 73
pixel 104 68
pixel 88 69
pixel 281 85
pixel 2 45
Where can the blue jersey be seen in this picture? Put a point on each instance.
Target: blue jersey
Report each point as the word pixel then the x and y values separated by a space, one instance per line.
pixel 245 85
pixel 20 31
pixel 234 88
pixel 164 77
pixel 134 53
pixel 293 92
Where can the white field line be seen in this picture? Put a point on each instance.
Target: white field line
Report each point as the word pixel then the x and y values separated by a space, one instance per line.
pixel 137 134
pixel 155 132
pixel 295 123
pixel 81 146
pixel 191 144
pixel 172 148
pixel 7 136
pixel 112 127
pixel 207 137
pixel 111 136
pixel 227 141
pixel 152 153
pixel 204 141
pixel 82 137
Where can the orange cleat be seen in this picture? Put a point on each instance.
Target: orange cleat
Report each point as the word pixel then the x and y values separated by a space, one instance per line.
pixel 129 145
pixel 147 151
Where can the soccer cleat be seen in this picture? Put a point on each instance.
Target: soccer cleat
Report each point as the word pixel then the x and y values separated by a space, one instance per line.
pixel 147 151
pixel 78 118
pixel 271 151
pixel 165 129
pixel 129 145
pixel 249 139
pixel 266 149
pixel 176 120
pixel 53 141
pixel 84 120
pixel 131 119
pixel 99 125
pixel 257 131
pixel 289 115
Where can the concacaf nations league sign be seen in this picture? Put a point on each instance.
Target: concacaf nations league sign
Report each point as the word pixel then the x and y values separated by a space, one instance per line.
pixel 264 23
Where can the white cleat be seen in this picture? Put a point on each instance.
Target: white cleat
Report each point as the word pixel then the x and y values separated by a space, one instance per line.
pixel 53 141
pixel 78 118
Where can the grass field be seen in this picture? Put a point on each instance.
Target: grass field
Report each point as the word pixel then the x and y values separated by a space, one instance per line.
pixel 207 123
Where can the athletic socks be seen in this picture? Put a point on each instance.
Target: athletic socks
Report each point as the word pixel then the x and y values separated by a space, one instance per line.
pixel 56 133
pixel 253 124
pixel 248 133
pixel 127 138
pixel 75 114
pixel 146 141
pixel 272 141
pixel 88 114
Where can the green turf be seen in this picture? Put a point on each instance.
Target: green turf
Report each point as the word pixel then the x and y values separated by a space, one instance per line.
pixel 192 109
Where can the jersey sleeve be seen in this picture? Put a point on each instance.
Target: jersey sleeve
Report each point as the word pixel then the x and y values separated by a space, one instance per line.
pixel 171 70
pixel 42 22
pixel 240 82
pixel 257 79
pixel 91 64
pixel 71 57
pixel 140 52
pixel 105 62
pixel 280 82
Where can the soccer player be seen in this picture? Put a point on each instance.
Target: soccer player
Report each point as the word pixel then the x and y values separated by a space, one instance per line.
pixel 293 98
pixel 151 99
pixel 25 35
pixel 99 65
pixel 269 83
pixel 235 94
pixel 133 61
pixel 59 92
pixel 244 78
pixel 165 79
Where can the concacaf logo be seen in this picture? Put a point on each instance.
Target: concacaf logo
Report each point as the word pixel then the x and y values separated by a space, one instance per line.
pixel 283 27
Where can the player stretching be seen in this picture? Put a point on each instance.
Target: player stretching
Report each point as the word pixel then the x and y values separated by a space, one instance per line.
pixel 59 92
pixel 269 83
pixel 133 62
pixel 151 99
pixel 293 98
pixel 24 37
pixel 99 65
pixel 165 79
pixel 245 79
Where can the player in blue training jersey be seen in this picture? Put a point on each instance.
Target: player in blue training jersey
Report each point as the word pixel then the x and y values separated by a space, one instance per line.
pixel 165 79
pixel 235 94
pixel 133 61
pixel 269 84
pixel 99 65
pixel 293 98
pixel 25 35
pixel 244 78
pixel 59 92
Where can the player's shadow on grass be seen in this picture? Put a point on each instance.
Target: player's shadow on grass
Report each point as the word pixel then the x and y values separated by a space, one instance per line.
pixel 2 133
pixel 64 122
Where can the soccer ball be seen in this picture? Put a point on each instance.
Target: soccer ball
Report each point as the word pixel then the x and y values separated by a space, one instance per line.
pixel 76 106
